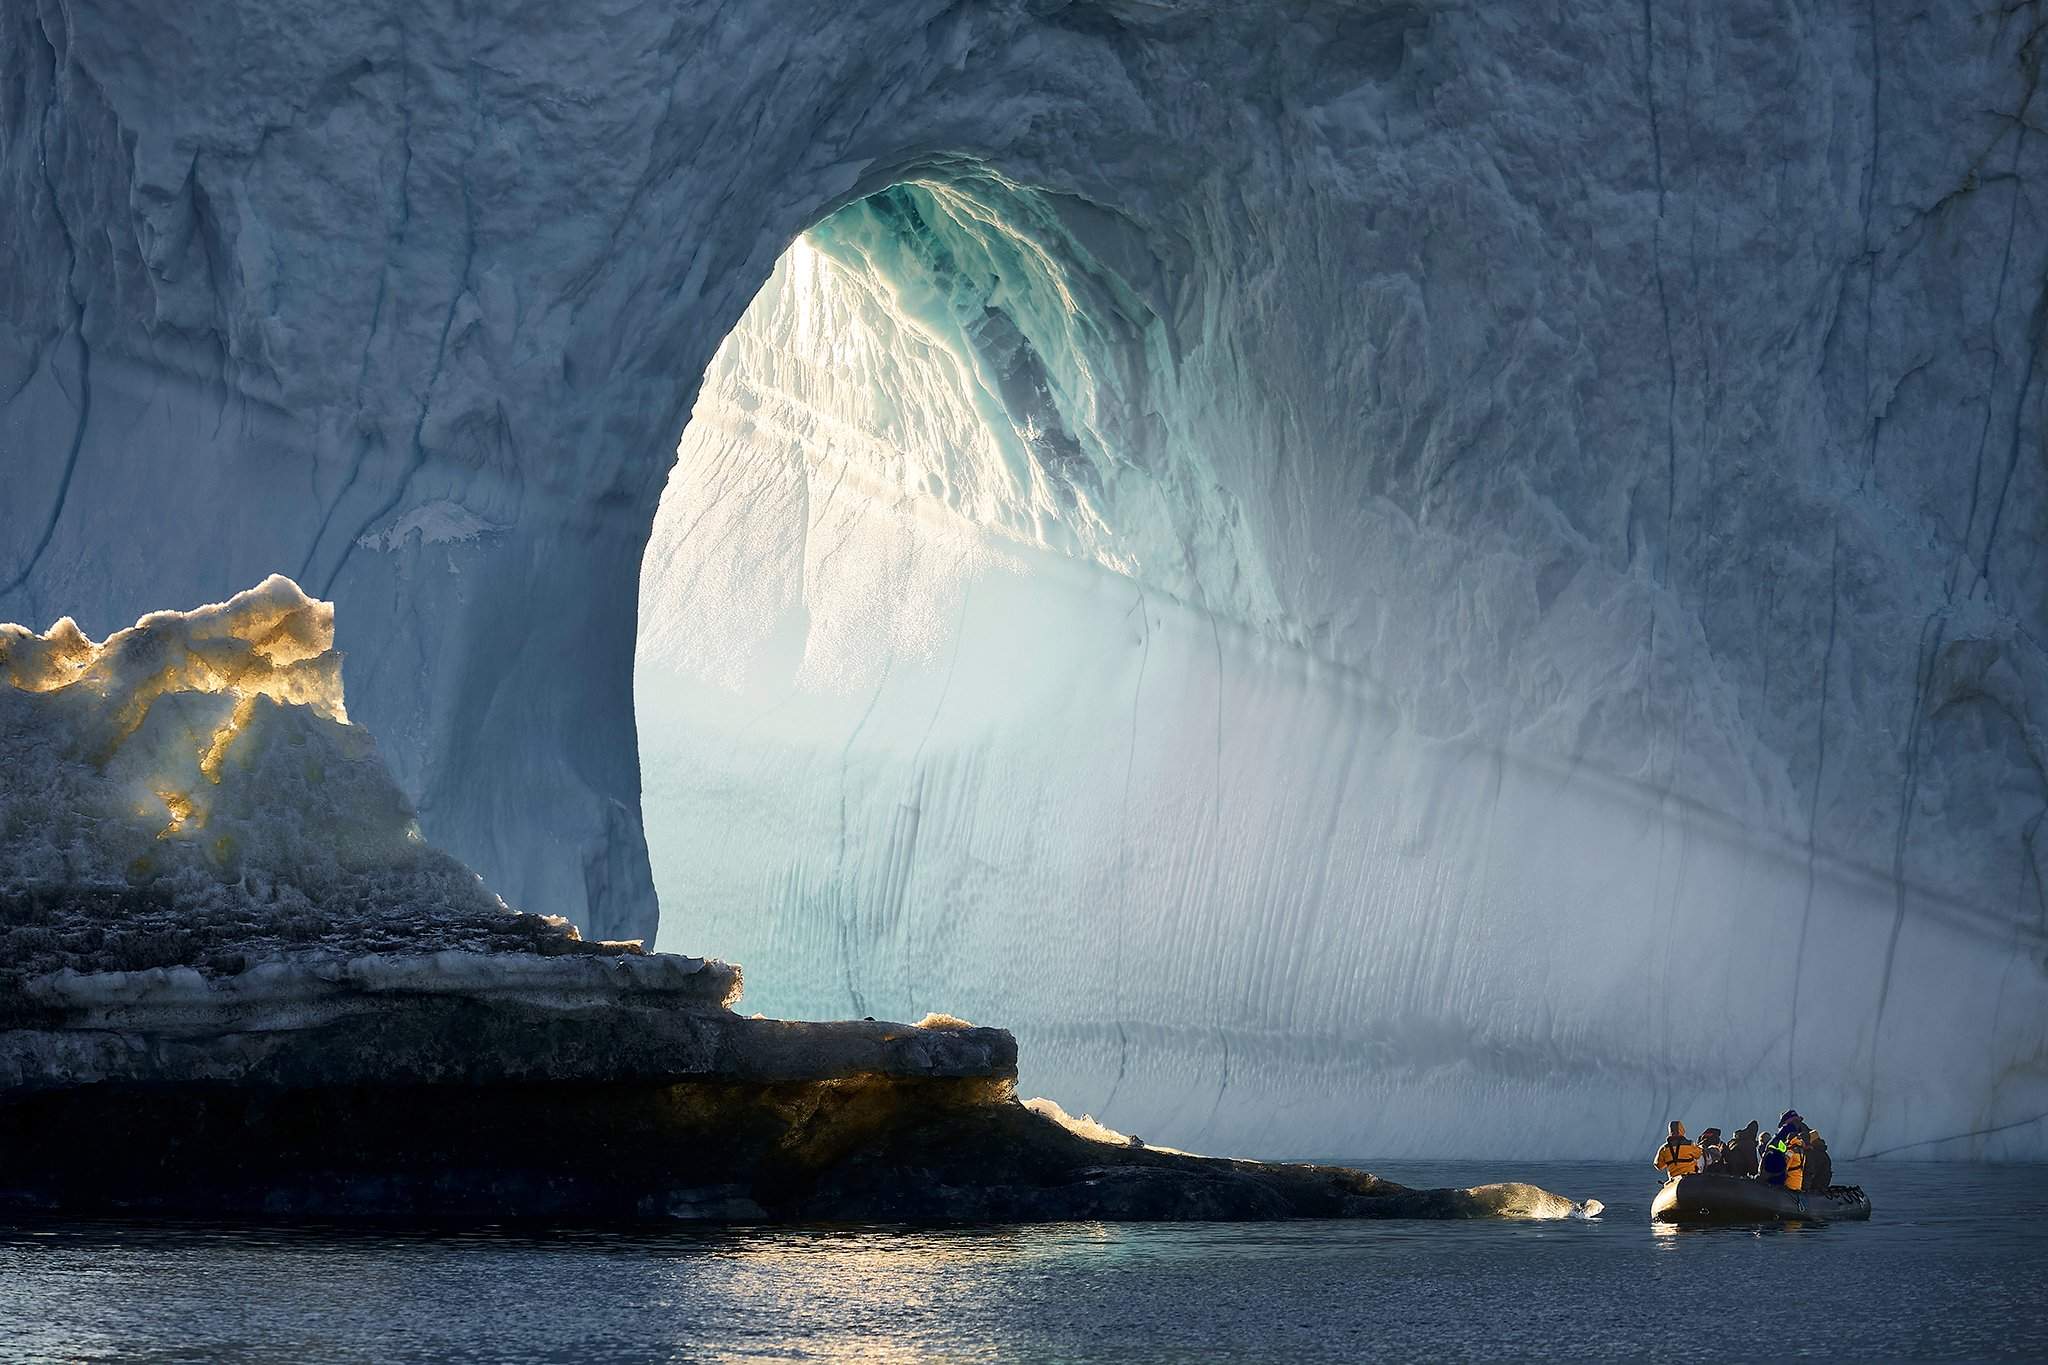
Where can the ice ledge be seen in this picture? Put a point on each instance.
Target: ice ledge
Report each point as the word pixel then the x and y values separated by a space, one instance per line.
pixel 468 1084
pixel 450 1017
pixel 304 990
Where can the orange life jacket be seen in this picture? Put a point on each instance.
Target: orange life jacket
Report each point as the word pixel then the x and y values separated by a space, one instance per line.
pixel 1795 1163
pixel 1678 1157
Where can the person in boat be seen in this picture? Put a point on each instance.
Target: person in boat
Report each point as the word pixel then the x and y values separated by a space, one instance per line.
pixel 1819 1175
pixel 1713 1152
pixel 1784 1161
pixel 1742 1151
pixel 1677 1156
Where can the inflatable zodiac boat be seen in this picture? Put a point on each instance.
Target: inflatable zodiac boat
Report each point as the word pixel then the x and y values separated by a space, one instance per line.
pixel 1733 1199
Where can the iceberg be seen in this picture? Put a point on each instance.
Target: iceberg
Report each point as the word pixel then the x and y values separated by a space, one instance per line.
pixel 1494 555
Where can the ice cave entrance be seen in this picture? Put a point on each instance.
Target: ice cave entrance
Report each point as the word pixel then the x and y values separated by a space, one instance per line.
pixel 959 687
pixel 940 628
pixel 962 687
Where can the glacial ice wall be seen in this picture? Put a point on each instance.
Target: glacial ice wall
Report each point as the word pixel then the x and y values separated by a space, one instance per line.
pixel 927 720
pixel 1497 338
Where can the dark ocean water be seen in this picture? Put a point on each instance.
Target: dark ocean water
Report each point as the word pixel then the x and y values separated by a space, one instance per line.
pixel 1955 1264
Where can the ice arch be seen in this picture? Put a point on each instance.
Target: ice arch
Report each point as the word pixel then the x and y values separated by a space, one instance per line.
pixel 1653 390
pixel 943 707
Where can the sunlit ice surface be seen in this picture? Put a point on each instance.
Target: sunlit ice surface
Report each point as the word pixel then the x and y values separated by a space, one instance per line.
pixel 199 763
pixel 1950 1268
pixel 959 690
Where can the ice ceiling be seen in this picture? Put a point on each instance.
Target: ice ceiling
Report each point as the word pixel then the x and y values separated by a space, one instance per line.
pixel 1489 559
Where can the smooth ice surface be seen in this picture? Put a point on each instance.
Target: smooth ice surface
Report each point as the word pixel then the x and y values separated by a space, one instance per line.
pixel 931 719
pixel 1645 395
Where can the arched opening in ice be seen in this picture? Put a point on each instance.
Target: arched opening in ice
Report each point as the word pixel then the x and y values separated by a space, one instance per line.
pixel 941 618
pixel 963 684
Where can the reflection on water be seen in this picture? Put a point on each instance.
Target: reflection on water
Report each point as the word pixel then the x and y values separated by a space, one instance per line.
pixel 1952 1265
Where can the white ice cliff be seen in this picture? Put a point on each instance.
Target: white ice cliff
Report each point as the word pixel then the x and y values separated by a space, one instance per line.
pixel 1489 559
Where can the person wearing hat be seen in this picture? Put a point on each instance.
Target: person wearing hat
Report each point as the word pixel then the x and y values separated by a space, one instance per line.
pixel 1713 1152
pixel 1819 1174
pixel 1784 1161
pixel 1677 1156
pixel 1742 1150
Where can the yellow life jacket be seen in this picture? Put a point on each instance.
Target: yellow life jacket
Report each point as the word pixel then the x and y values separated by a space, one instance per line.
pixel 1678 1157
pixel 1795 1164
